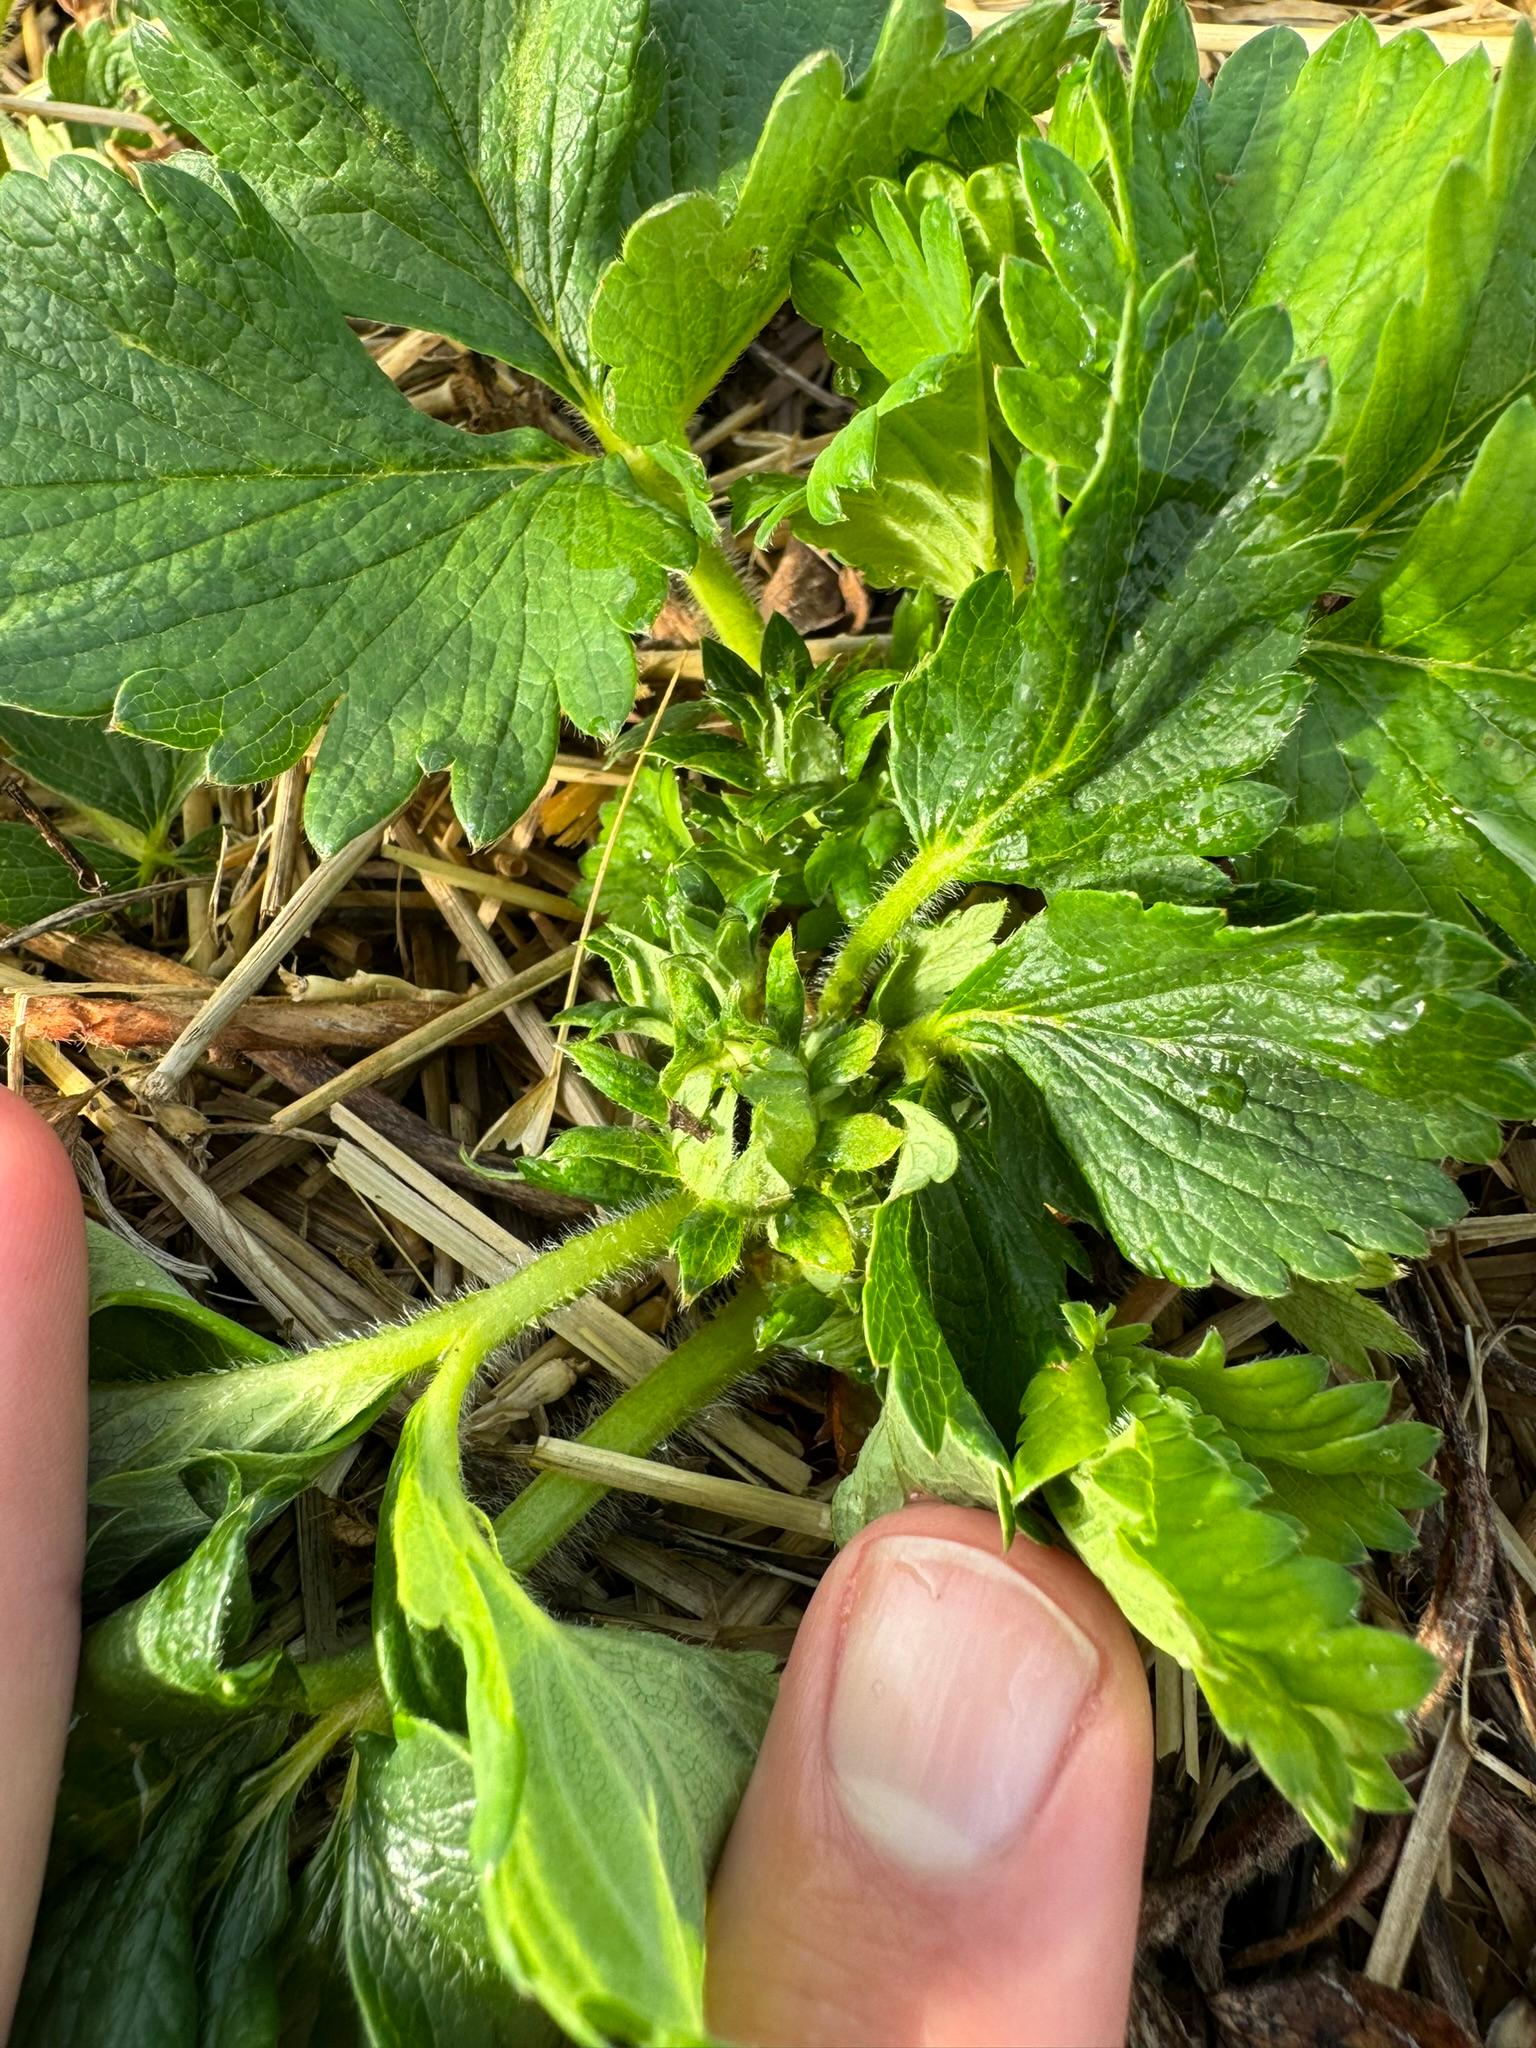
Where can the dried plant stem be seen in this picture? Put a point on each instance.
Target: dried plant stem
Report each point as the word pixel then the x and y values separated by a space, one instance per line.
pixel 298 916
pixel 445 1029
pixel 623 1472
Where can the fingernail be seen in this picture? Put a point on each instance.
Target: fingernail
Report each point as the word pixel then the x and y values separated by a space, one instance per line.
pixel 957 1695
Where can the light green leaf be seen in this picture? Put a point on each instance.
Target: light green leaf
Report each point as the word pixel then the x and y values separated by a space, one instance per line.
pixel 1252 1101
pixel 1299 155
pixel 606 1768
pixel 669 348
pixel 857 1144
pixel 1064 1419
pixel 163 1453
pixel 249 547
pixel 813 1230
pixel 1330 1458
pixel 933 960
pixel 604 1163
pixel 929 1153
pixel 1169 1516
pixel 163 1658
pixel 92 65
pixel 1339 1322
pixel 906 490
pixel 1413 775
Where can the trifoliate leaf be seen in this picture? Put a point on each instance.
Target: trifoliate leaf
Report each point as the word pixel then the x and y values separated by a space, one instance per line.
pixel 1296 155
pixel 606 1768
pixel 1413 774
pixel 454 167
pixel 1252 1101
pixel 1170 1516
pixel 249 548
pixel 1102 727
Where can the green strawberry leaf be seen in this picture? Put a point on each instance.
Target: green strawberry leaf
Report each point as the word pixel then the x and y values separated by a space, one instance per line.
pixel 992 1259
pixel 1341 1323
pixel 163 1658
pixel 931 1436
pixel 35 882
pixel 606 1767
pixel 1173 1518
pixel 130 792
pixel 1102 727
pixel 418 1957
pixel 230 548
pixel 821 136
pixel 1413 774
pixel 1331 1459
pixel 145 1325
pixel 1252 1101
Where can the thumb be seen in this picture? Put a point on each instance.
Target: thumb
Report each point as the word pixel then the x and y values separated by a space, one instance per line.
pixel 941 1843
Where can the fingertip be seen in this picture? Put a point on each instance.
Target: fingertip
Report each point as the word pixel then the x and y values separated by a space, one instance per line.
pixel 44 1298
pixel 953 1790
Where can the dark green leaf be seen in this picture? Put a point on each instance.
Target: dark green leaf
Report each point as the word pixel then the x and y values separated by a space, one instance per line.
pixel 1253 1101
pixel 248 550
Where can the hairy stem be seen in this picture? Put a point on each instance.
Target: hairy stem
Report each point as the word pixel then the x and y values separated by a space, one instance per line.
pixel 726 602
pixel 884 923
pixel 483 1320
pixel 716 587
pixel 698 1372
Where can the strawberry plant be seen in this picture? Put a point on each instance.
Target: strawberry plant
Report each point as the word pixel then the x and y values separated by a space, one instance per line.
pixel 1174 893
